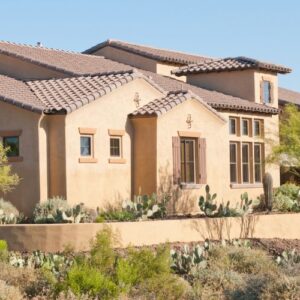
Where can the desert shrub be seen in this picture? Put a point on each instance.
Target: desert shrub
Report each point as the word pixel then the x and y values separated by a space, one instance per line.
pixel 116 215
pixel 57 210
pixel 8 213
pixel 86 279
pixel 287 198
pixel 9 292
pixel 162 287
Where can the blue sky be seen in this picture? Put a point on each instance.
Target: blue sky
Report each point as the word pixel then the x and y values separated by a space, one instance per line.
pixel 267 30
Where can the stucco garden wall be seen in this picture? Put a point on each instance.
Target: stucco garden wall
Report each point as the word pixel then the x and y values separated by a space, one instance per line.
pixel 55 237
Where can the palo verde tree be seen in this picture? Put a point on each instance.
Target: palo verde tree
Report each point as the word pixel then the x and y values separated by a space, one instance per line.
pixel 8 180
pixel 287 153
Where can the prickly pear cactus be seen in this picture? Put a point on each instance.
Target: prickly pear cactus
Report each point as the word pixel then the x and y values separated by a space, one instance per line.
pixel 268 190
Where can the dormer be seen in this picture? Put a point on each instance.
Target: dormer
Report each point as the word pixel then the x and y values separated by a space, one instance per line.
pixel 241 77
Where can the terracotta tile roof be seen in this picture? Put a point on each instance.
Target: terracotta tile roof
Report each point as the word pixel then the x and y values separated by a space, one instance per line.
pixel 230 64
pixel 69 94
pixel 161 55
pixel 161 105
pixel 215 99
pixel 288 96
pixel 70 63
pixel 18 93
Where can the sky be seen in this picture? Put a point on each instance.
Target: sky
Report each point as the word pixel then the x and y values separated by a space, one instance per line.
pixel 266 30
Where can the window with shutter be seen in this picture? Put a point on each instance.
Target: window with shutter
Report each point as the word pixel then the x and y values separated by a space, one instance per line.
pixel 176 159
pixel 202 160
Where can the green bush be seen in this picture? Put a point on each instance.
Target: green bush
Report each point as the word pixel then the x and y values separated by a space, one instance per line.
pixel 287 198
pixel 86 279
pixel 8 213
pixel 116 215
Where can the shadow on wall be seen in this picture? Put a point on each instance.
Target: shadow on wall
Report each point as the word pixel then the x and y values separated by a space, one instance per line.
pixel 181 202
pixel 226 228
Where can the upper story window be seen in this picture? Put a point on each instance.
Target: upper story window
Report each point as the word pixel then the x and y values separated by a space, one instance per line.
pixel 245 126
pixel 12 143
pixel 266 92
pixel 233 125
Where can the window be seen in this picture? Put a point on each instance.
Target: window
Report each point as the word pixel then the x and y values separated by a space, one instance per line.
pixel 86 145
pixel 232 126
pixel 115 146
pixel 258 124
pixel 245 126
pixel 188 160
pixel 245 163
pixel 257 162
pixel 233 162
pixel 12 142
pixel 266 91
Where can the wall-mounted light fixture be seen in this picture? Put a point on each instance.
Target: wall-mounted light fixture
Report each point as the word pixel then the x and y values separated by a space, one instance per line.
pixel 137 100
pixel 189 120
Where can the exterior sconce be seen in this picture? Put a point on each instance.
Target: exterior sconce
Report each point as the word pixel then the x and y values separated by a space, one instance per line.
pixel 189 120
pixel 137 100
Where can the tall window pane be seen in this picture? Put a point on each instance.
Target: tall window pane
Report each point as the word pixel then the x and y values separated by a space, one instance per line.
pixel 257 127
pixel 85 146
pixel 258 162
pixel 188 152
pixel 245 163
pixel 233 162
pixel 232 125
pixel 245 127
pixel 266 91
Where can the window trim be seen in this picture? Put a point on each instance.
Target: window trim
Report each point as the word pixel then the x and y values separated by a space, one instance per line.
pixel 116 137
pixel 12 133
pixel 117 133
pixel 270 100
pixel 235 126
pixel 261 128
pixel 195 161
pixel 87 132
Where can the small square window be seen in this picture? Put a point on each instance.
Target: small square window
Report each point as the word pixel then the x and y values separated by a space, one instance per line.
pixel 115 146
pixel 12 143
pixel 85 145
pixel 232 125
pixel 245 127
pixel 266 92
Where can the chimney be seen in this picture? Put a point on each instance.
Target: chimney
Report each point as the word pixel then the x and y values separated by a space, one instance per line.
pixel 39 44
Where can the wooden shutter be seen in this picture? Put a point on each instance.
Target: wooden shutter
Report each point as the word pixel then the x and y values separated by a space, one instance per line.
pixel 202 161
pixel 271 92
pixel 176 159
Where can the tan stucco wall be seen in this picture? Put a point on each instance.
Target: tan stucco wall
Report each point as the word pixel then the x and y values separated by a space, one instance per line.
pixel 55 237
pixel 139 61
pixel 56 155
pixel 21 69
pixel 217 137
pixel 128 58
pixel 33 168
pixel 144 156
pixel 101 183
pixel 238 83
pixel 244 84
pixel 210 127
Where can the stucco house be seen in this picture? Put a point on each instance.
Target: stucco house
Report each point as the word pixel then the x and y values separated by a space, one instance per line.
pixel 121 119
